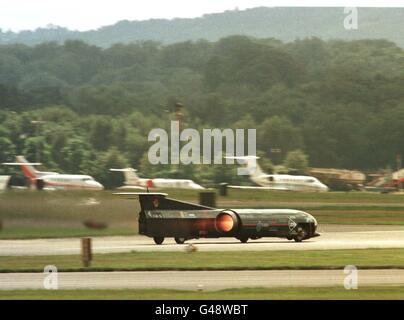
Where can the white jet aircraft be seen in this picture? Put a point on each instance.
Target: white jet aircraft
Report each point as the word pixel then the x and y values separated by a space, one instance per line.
pixel 132 181
pixel 283 182
pixel 53 180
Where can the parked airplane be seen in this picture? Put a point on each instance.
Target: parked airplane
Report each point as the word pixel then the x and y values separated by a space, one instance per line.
pixel 4 182
pixel 284 182
pixel 53 180
pixel 386 183
pixel 132 181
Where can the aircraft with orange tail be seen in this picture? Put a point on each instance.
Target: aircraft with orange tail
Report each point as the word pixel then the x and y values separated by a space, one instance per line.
pixel 41 180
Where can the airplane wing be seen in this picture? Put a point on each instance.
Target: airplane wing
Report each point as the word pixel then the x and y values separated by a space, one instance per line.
pixel 21 164
pixel 260 188
pixel 241 157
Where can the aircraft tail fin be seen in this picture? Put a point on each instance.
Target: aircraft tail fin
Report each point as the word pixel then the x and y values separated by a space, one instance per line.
pixel 27 168
pixel 131 178
pixel 251 165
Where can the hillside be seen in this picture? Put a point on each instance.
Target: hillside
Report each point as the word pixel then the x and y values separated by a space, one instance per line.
pixel 341 102
pixel 286 24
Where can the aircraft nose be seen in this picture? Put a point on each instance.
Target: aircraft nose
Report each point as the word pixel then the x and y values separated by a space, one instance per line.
pixel 324 187
pixel 95 185
pixel 321 187
pixel 99 186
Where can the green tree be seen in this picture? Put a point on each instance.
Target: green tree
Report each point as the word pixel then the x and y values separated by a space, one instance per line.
pixel 101 133
pixel 37 149
pixel 297 161
pixel 113 158
pixel 277 136
pixel 75 155
pixel 7 149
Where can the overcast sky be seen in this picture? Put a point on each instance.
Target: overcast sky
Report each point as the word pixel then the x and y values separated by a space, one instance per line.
pixel 19 15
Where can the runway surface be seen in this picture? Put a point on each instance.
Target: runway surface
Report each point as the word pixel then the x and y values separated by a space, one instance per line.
pixel 197 280
pixel 333 237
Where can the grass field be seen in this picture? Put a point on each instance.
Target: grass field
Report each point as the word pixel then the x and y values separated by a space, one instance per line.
pixel 316 259
pixel 322 293
pixel 30 214
pixel 26 232
pixel 62 214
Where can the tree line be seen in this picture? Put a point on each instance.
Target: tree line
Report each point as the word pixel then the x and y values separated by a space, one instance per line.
pixel 340 103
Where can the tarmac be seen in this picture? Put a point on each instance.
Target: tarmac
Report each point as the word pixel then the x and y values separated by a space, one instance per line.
pixel 332 237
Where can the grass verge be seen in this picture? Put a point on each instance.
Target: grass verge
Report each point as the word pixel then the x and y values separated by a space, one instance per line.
pixel 322 293
pixel 59 232
pixel 311 259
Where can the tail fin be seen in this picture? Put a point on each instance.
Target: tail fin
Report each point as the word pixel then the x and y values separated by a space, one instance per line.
pixel 131 178
pixel 159 201
pixel 27 168
pixel 252 167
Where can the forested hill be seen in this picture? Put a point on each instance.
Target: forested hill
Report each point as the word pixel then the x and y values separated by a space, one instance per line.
pixel 286 24
pixel 341 102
